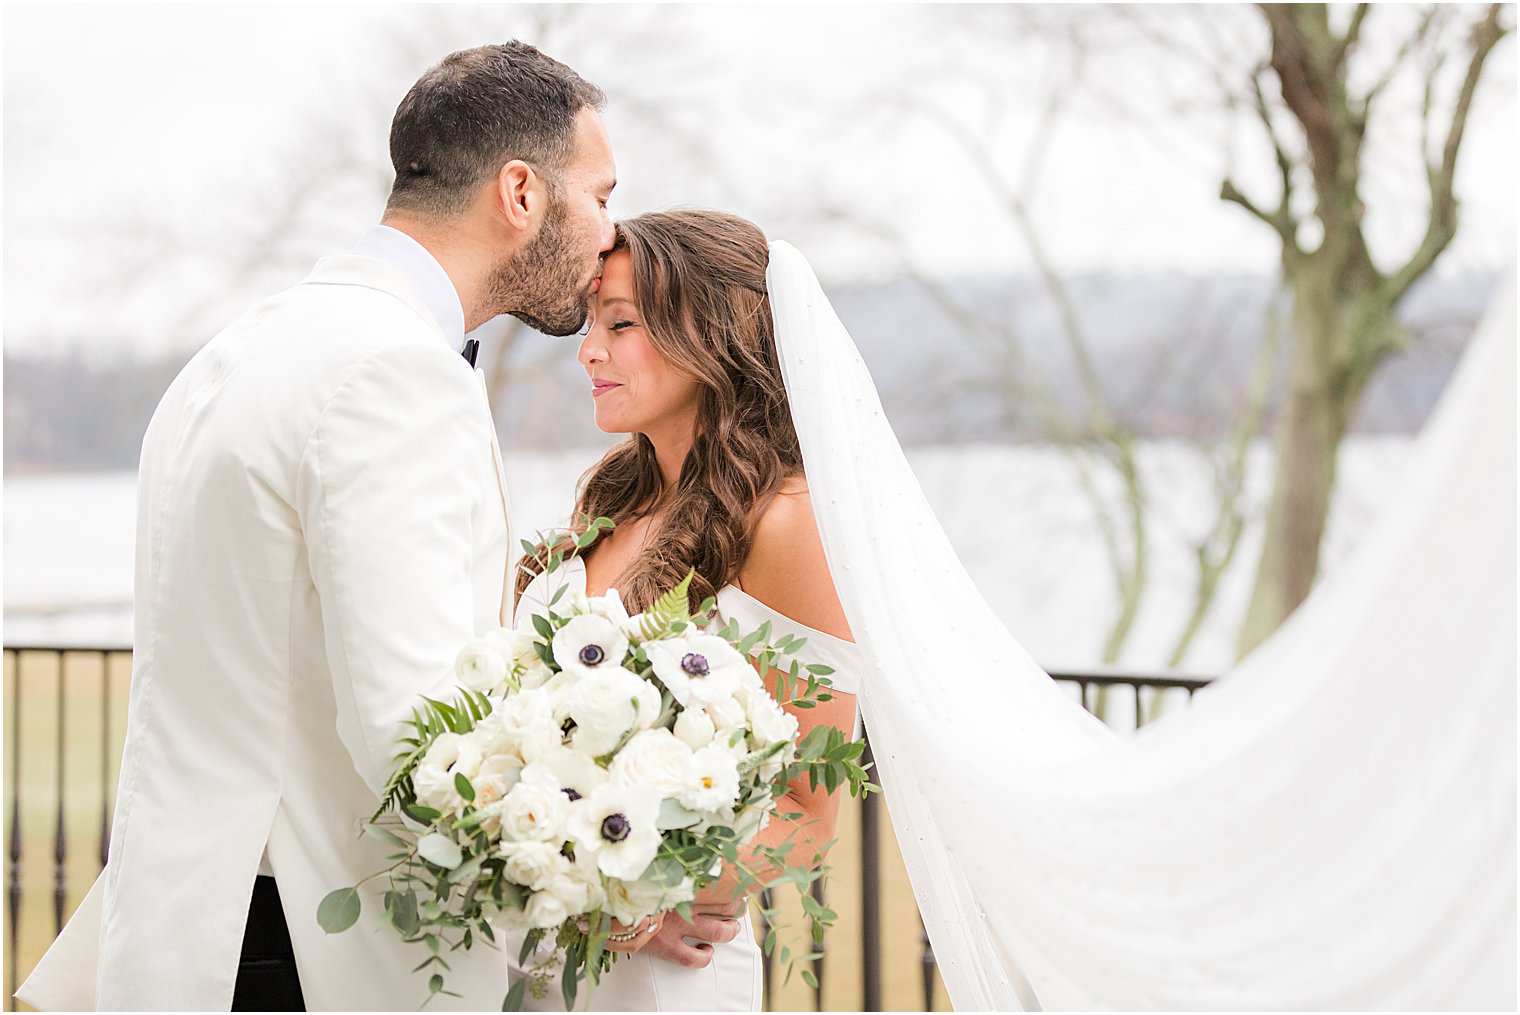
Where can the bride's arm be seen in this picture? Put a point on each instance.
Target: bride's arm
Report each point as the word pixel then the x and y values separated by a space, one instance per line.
pixel 786 570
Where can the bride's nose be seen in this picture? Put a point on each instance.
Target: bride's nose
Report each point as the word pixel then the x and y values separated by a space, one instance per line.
pixel 592 350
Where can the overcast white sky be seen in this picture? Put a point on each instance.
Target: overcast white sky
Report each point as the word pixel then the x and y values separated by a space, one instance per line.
pixel 150 148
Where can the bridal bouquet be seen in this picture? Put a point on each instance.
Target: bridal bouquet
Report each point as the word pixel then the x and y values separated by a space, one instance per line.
pixel 594 766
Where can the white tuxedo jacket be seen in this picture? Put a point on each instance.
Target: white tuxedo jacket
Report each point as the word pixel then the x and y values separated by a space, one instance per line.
pixel 321 525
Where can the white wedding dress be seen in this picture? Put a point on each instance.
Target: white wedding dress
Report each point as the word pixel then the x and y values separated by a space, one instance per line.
pixel 642 982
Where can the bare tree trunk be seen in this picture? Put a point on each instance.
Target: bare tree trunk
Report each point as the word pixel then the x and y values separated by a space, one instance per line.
pixel 1344 308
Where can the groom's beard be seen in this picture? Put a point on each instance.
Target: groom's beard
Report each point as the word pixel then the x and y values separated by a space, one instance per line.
pixel 545 285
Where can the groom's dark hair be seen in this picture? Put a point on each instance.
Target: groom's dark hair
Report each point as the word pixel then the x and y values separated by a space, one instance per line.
pixel 474 112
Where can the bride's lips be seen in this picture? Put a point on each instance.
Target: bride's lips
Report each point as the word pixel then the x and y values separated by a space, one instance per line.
pixel 600 388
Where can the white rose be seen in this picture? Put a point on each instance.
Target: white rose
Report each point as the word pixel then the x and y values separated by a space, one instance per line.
pixel 769 722
pixel 726 713
pixel 534 864
pixel 495 776
pixel 694 728
pixel 545 910
pixel 482 665
pixel 534 809
pixel 579 889
pixel 631 901
pixel 433 778
pixel 711 779
pixel 653 758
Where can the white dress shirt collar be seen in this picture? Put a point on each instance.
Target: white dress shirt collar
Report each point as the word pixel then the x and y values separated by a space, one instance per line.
pixel 412 259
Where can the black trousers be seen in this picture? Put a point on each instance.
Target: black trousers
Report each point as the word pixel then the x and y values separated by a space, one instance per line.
pixel 267 979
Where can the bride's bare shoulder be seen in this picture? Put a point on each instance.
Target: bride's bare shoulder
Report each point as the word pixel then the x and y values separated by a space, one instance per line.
pixel 786 569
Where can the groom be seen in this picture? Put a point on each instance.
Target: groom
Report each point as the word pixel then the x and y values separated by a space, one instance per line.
pixel 321 525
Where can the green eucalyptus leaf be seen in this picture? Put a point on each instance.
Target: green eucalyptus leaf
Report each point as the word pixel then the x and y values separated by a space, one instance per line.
pixel 339 910
pixel 516 996
pixel 673 815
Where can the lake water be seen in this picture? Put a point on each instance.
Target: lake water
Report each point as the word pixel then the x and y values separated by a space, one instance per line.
pixel 1016 515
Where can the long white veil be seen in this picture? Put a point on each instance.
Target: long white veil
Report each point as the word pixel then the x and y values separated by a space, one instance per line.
pixel 1331 826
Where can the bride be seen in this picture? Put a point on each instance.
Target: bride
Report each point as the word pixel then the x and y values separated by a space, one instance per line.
pixel 1330 826
pixel 681 355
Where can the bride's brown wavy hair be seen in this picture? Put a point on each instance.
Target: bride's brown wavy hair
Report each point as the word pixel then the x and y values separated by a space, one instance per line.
pixel 699 281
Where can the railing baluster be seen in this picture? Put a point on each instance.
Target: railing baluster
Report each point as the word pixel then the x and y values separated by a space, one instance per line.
pixel 768 968
pixel 105 759
pixel 60 841
pixel 926 959
pixel 13 892
pixel 818 896
pixel 1088 686
pixel 870 891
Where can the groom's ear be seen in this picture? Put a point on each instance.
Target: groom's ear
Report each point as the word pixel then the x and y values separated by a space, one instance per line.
pixel 520 194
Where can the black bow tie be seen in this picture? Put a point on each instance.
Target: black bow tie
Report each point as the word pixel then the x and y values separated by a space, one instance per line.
pixel 471 347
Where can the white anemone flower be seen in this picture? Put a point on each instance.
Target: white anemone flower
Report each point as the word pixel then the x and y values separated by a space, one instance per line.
pixel 616 827
pixel 572 771
pixel 589 644
pixel 698 670
pixel 712 779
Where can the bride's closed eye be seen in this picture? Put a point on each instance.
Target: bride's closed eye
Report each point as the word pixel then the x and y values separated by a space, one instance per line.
pixel 621 325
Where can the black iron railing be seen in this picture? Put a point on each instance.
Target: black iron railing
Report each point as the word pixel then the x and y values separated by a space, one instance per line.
pixel 79 740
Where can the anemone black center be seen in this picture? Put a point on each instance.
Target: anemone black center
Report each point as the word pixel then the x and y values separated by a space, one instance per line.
pixel 615 828
pixel 695 665
pixel 592 655
pixel 570 792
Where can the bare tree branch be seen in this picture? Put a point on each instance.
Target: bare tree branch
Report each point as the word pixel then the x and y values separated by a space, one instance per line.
pixel 1442 222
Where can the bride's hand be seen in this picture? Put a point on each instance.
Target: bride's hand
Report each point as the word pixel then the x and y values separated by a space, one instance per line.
pixel 636 936
pixel 712 922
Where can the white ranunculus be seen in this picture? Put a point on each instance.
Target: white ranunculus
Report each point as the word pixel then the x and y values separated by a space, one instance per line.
pixel 697 669
pixel 536 808
pixel 522 651
pixel 433 778
pixel 534 864
pixel 711 779
pixel 694 728
pixel 482 665
pixel 606 705
pixel 545 910
pixel 631 901
pixel 440 850
pixel 589 644
pixel 653 758
pixel 616 826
